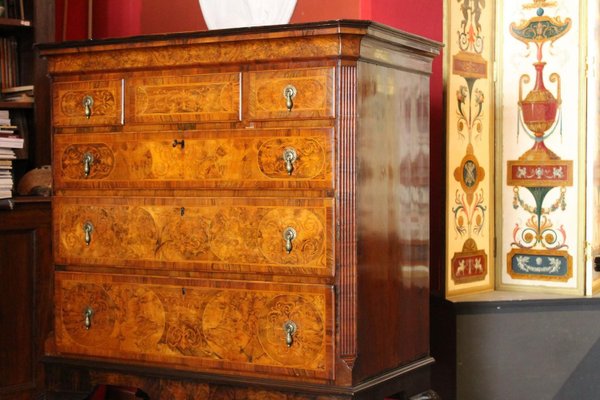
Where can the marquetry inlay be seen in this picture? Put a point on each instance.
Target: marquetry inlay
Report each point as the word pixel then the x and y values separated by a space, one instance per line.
pixel 195 323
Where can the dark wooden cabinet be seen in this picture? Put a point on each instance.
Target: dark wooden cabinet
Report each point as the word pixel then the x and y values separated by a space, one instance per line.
pixel 26 271
pixel 25 300
pixel 243 213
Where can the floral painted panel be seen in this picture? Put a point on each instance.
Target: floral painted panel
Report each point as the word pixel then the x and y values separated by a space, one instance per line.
pixel 540 67
pixel 470 140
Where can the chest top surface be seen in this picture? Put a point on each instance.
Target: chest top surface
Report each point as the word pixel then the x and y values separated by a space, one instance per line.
pixel 311 41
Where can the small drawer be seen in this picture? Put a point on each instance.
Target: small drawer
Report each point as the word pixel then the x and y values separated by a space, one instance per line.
pixel 291 94
pixel 275 236
pixel 87 103
pixel 185 98
pixel 195 160
pixel 203 325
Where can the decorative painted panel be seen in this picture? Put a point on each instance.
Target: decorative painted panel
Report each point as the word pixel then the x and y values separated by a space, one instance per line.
pixel 547 152
pixel 540 85
pixel 470 141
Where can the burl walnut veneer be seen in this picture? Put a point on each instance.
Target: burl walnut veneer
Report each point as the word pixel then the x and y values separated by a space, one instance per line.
pixel 242 214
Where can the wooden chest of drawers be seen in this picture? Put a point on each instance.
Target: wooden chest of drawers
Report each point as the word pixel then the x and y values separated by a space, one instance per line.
pixel 243 212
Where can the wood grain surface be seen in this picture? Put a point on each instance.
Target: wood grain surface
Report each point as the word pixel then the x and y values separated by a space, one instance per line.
pixel 190 264
pixel 68 108
pixel 208 159
pixel 199 324
pixel 214 234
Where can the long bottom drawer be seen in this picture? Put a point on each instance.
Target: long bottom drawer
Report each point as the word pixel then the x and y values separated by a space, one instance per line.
pixel 205 325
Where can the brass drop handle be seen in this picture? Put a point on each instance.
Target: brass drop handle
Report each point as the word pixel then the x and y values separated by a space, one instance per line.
pixel 290 329
pixel 289 92
pixel 87 160
pixel 289 234
pixel 179 143
pixel 88 102
pixel 87 317
pixel 88 228
pixel 289 156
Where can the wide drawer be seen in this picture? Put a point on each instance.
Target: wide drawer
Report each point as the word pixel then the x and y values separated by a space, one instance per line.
pixel 87 103
pixel 232 159
pixel 225 326
pixel 186 97
pixel 196 234
pixel 291 94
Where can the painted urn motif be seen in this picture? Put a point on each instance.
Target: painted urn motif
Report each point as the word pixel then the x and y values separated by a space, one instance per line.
pixel 540 108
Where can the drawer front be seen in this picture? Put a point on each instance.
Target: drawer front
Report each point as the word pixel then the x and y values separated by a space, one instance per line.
pixel 184 98
pixel 274 159
pixel 291 94
pixel 229 326
pixel 87 103
pixel 202 234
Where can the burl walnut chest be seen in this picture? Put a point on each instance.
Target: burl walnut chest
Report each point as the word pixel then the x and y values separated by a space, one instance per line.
pixel 242 214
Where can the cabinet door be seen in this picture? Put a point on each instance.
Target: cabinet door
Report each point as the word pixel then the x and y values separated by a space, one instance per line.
pixel 251 235
pixel 225 326
pixel 25 301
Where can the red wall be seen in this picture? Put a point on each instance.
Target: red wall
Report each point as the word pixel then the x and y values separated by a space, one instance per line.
pixel 163 16
pixel 77 20
pixel 116 18
pixel 322 10
pixel 111 18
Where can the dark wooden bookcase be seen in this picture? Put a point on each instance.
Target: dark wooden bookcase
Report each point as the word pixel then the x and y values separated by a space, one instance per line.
pixel 25 229
pixel 36 27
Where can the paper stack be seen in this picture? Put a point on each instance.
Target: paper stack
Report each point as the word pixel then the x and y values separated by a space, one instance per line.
pixel 18 93
pixel 9 141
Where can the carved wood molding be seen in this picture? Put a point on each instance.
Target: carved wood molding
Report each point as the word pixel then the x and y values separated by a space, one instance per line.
pixel 345 210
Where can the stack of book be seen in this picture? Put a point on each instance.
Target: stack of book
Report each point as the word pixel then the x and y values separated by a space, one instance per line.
pixel 18 93
pixel 9 141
